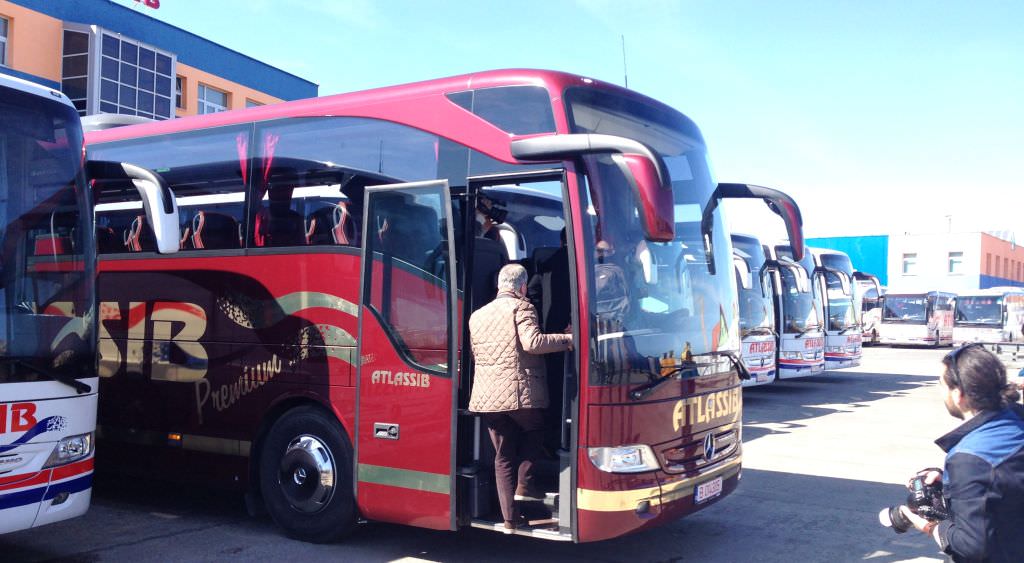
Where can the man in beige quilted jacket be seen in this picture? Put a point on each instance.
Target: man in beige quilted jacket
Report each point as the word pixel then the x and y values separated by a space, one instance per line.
pixel 510 388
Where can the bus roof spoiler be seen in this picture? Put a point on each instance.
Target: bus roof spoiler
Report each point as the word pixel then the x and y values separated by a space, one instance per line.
pixel 643 168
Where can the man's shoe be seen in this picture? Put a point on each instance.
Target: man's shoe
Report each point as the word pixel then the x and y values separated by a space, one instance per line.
pixel 529 496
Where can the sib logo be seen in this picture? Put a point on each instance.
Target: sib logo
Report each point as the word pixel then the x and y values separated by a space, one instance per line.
pixel 17 417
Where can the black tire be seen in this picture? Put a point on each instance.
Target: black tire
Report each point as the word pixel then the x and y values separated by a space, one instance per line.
pixel 301 446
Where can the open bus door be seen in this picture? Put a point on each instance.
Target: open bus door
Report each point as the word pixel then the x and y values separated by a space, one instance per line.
pixel 406 377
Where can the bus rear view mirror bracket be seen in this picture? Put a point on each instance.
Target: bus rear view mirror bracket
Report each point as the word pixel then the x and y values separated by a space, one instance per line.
pixel 778 201
pixel 844 280
pixel 803 282
pixel 158 201
pixel 644 170
pixel 743 273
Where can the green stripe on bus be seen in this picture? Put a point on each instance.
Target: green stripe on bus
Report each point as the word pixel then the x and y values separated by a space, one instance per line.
pixel 405 478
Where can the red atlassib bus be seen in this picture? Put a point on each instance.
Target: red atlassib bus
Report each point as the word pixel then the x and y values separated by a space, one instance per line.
pixel 307 341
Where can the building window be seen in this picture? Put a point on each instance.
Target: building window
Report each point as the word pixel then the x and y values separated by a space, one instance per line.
pixel 74 72
pixel 252 103
pixel 179 92
pixel 135 79
pixel 988 263
pixel 910 264
pixel 956 262
pixel 211 100
pixel 1006 267
pixel 5 25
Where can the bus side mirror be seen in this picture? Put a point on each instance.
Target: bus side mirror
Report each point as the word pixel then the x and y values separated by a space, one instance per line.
pixel 158 200
pixel 743 275
pixel 643 169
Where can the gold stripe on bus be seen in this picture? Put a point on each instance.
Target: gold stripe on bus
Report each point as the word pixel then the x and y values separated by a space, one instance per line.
pixel 618 501
pixel 405 478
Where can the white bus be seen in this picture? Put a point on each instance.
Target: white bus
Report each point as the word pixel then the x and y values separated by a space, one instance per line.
pixel 48 377
pixel 917 318
pixel 798 308
pixel 990 315
pixel 844 290
pixel 755 285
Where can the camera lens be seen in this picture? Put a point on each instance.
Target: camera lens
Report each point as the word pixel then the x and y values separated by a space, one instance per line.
pixel 892 518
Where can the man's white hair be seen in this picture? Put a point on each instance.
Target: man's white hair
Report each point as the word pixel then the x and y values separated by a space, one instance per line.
pixel 511 277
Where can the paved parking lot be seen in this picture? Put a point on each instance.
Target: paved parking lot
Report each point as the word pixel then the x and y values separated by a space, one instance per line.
pixel 822 456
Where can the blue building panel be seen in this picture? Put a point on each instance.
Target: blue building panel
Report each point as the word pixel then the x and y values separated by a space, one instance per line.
pixel 992 281
pixel 190 48
pixel 869 254
pixel 31 78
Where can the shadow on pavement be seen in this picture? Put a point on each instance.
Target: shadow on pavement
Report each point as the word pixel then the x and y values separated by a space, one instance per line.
pixel 787 404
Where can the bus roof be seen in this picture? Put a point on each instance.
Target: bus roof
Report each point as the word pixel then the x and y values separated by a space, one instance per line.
pixel 992 291
pixel 434 112
pixel 23 85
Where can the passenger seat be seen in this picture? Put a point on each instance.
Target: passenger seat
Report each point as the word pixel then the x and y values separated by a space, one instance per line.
pixel 212 231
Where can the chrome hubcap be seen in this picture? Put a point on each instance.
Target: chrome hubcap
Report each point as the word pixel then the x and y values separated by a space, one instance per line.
pixel 306 474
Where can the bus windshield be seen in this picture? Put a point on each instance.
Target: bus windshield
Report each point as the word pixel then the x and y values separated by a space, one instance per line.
pixel 906 308
pixel 756 314
pixel 979 310
pixel 46 283
pixel 800 309
pixel 651 300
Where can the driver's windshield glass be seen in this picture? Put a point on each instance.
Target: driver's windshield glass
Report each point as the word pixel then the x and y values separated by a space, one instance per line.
pixel 46 283
pixel 800 309
pixel 651 300
pixel 979 310
pixel 756 301
pixel 907 308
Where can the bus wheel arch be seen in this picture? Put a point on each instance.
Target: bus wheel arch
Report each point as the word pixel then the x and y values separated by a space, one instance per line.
pixel 304 474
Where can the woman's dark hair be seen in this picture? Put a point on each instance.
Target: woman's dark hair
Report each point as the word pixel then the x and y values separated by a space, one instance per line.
pixel 980 376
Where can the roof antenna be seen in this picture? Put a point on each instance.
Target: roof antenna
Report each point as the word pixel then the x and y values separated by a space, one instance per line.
pixel 625 75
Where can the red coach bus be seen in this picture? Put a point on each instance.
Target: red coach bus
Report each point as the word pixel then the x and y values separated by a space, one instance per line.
pixel 305 341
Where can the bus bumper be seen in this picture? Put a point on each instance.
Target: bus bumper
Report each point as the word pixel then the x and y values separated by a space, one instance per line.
pixel 608 514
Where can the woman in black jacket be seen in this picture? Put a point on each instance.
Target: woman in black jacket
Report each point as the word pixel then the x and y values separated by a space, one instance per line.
pixel 983 480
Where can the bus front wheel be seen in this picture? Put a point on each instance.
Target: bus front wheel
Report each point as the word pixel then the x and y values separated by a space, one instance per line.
pixel 306 476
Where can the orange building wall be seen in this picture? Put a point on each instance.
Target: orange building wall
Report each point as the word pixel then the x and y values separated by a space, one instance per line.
pixel 237 94
pixel 1005 262
pixel 34 41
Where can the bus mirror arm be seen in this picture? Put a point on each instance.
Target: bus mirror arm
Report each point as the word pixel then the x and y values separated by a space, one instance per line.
pixel 780 203
pixel 644 169
pixel 844 280
pixel 158 200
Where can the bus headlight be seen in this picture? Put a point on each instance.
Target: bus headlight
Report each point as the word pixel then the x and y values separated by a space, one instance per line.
pixel 70 449
pixel 791 355
pixel 624 459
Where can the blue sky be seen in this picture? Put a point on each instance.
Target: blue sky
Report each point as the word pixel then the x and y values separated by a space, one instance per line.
pixel 877 116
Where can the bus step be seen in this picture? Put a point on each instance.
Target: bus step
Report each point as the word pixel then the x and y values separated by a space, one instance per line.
pixel 550 501
pixel 544 529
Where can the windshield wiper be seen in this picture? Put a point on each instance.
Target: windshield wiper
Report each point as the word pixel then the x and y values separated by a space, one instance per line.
pixel 65 379
pixel 762 330
pixel 808 329
pixel 847 329
pixel 686 370
pixel 737 363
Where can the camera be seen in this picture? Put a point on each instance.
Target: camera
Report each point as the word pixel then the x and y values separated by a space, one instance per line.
pixel 924 500
pixel 496 211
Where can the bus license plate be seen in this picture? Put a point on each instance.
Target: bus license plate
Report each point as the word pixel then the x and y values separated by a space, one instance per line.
pixel 708 491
